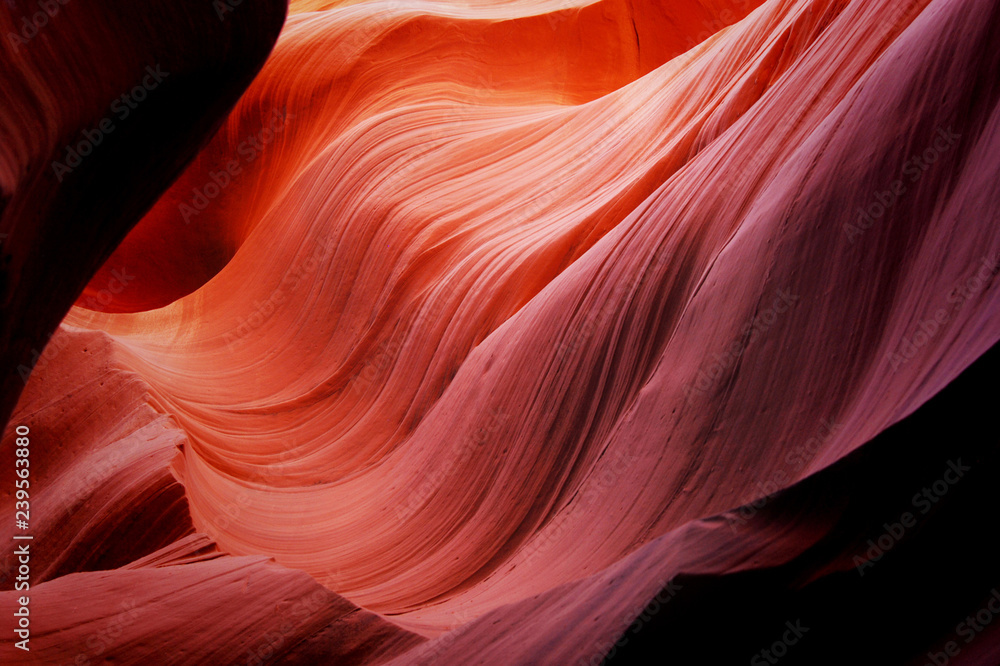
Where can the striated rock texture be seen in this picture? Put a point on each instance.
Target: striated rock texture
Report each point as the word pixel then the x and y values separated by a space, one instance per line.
pixel 527 332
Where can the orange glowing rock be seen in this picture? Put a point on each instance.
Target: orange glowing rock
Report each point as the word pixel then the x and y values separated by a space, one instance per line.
pixel 505 320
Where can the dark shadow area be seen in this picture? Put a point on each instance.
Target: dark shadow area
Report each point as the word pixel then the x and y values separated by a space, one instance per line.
pixel 910 602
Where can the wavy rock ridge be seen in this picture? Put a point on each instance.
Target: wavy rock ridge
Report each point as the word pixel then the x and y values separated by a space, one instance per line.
pixel 504 321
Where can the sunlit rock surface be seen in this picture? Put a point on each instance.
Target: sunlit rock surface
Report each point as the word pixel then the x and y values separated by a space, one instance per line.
pixel 533 332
